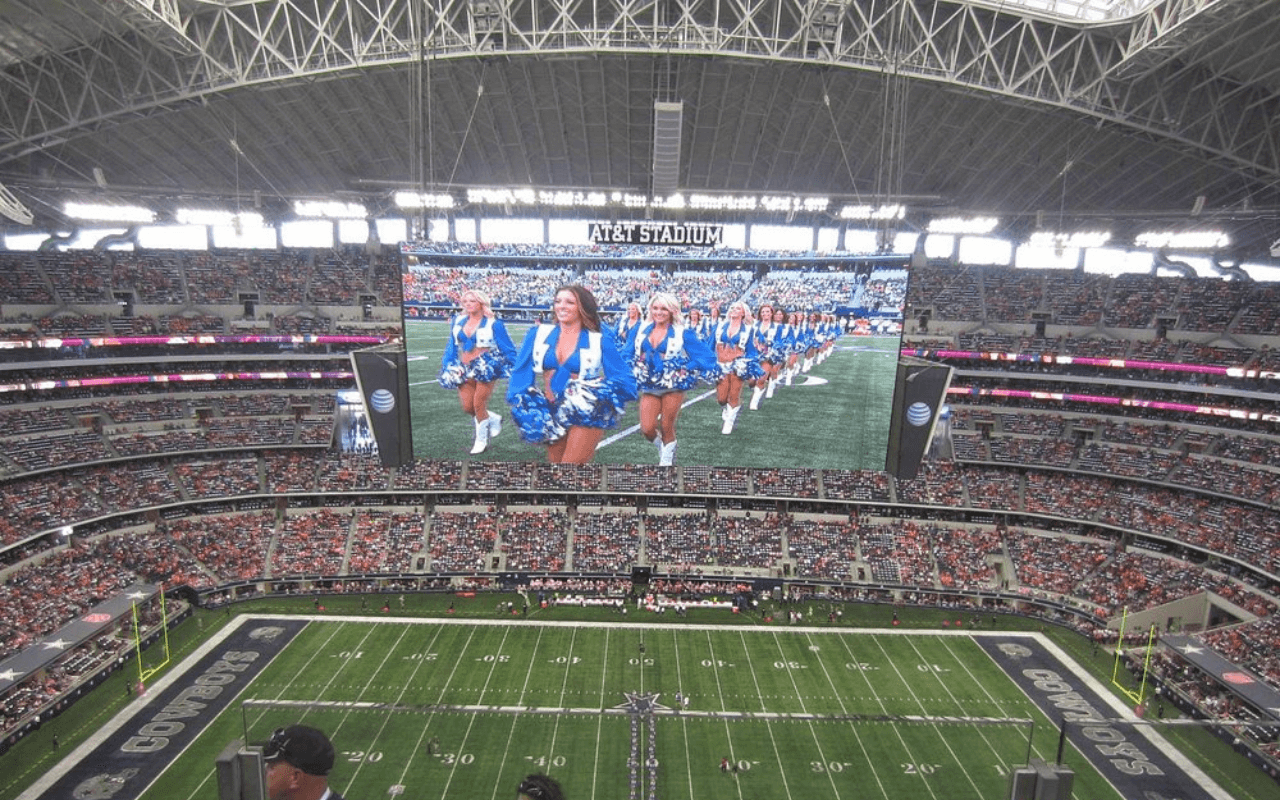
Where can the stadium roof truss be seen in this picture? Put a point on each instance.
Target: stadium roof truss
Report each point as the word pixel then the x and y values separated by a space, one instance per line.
pixel 1196 77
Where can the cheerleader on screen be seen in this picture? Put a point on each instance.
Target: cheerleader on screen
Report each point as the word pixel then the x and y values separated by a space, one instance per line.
pixel 628 322
pixel 569 382
pixel 668 359
pixel 771 342
pixel 739 362
pixel 699 324
pixel 477 354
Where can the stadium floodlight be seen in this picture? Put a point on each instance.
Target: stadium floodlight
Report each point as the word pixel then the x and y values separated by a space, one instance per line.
pixel 329 209
pixel 673 201
pixel 1078 239
pixel 777 203
pixel 568 198
pixel 1189 240
pixel 218 218
pixel 723 202
pixel 108 212
pixel 421 200
pixel 887 211
pixel 628 200
pixel 502 197
pixel 963 225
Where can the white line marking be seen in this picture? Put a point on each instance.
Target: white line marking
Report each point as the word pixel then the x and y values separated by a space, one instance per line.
pixel 728 733
pixel 511 733
pixel 564 690
pixel 635 428
pixel 462 745
pixel 595 764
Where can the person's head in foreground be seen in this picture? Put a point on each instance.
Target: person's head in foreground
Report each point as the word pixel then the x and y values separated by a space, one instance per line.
pixel 298 759
pixel 539 787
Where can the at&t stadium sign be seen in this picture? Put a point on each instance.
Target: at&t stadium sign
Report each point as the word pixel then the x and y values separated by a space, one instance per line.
pixel 698 234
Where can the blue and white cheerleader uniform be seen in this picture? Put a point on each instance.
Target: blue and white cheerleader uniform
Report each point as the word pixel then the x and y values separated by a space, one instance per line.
pixel 626 328
pixel 704 328
pixel 746 366
pixel 773 342
pixel 591 387
pixel 490 335
pixel 807 339
pixel 677 364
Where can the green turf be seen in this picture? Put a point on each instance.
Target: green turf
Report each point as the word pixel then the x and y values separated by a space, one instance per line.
pixel 774 697
pixel 836 417
pixel 190 778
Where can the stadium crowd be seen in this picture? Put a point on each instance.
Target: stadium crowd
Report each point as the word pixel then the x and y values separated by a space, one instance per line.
pixel 216 486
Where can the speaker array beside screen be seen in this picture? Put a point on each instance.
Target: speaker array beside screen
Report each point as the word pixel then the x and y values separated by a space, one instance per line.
pixel 919 393
pixel 383 379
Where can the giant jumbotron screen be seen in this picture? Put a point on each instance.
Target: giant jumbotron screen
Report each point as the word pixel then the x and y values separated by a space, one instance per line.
pixel 829 407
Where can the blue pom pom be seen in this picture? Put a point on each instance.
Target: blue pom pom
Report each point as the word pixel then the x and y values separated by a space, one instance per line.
pixel 748 369
pixel 534 418
pixel 452 376
pixel 677 373
pixel 591 404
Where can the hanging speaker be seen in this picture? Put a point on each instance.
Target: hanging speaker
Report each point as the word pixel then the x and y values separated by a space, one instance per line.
pixel 668 121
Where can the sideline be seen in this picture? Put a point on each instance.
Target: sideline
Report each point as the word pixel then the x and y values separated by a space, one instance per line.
pixel 1106 741
pixel 145 737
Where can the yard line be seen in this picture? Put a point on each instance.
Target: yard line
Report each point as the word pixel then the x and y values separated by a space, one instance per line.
pixel 853 728
pixel 640 660
pixel 604 671
pixel 386 719
pixel 845 642
pixel 684 723
pixel 511 733
pixel 564 683
pixel 751 665
pixel 715 670
pixel 465 734
pixel 777 756
pixel 993 698
pixel 417 747
pixel 918 702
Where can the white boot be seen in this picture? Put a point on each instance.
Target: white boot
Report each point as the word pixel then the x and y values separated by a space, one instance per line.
pixel 482 437
pixel 791 373
pixel 495 424
pixel 657 442
pixel 731 416
pixel 666 453
pixel 773 384
pixel 808 365
pixel 756 394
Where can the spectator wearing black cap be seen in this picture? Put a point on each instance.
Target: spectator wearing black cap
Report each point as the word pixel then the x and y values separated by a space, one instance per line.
pixel 539 787
pixel 298 759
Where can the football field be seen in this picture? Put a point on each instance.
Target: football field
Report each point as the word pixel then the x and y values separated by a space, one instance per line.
pixel 834 417
pixel 794 713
